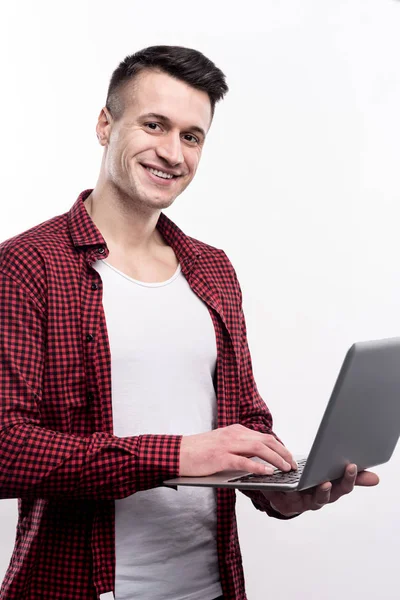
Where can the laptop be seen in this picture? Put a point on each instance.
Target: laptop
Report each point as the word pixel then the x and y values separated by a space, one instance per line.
pixel 360 425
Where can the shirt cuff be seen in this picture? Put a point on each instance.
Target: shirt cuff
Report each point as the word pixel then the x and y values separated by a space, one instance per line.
pixel 158 459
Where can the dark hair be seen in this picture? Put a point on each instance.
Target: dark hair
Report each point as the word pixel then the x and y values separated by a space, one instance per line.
pixel 185 64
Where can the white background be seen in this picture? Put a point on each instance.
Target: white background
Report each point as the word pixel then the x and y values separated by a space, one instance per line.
pixel 298 184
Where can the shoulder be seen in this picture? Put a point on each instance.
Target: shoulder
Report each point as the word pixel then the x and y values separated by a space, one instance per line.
pixel 24 256
pixel 214 257
pixel 217 266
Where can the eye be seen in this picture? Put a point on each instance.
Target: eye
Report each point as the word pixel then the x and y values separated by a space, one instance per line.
pixel 152 125
pixel 193 140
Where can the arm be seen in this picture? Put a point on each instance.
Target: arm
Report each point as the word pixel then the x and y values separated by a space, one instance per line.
pixel 254 413
pixel 37 462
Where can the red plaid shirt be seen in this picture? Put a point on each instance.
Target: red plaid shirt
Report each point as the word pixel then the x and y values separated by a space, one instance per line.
pixel 58 454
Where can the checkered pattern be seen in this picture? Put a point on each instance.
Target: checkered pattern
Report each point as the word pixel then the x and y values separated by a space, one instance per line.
pixel 58 454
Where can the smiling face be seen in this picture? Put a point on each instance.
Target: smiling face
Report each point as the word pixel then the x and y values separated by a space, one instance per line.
pixel 160 134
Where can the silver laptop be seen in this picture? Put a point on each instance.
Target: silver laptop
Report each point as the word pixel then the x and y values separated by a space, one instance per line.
pixel 361 425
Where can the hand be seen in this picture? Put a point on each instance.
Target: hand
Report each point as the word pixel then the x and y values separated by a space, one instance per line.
pixel 293 503
pixel 230 448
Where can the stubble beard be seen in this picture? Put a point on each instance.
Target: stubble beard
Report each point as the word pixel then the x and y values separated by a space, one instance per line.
pixel 147 199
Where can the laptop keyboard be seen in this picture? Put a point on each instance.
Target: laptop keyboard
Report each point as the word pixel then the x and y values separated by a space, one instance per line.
pixel 277 476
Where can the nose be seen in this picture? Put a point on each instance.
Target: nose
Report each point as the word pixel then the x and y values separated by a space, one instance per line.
pixel 170 149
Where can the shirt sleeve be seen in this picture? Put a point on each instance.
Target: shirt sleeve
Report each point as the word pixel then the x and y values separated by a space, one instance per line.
pixel 254 413
pixel 36 462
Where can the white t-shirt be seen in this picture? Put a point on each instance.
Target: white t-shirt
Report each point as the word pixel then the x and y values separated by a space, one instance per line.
pixel 163 358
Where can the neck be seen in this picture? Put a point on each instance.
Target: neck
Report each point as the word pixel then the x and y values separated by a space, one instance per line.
pixel 123 225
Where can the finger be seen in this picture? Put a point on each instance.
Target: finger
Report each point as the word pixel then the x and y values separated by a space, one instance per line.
pixel 257 448
pixel 367 478
pixel 274 448
pixel 271 442
pixel 241 463
pixel 349 479
pixel 346 484
pixel 321 495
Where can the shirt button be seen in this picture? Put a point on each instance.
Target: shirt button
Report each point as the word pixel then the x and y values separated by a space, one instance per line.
pixel 100 250
pixel 89 337
pixel 90 396
pixel 94 286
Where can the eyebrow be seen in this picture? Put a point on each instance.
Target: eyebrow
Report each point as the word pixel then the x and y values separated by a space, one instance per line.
pixel 168 121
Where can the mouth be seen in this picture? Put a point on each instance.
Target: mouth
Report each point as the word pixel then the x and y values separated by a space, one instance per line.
pixel 160 177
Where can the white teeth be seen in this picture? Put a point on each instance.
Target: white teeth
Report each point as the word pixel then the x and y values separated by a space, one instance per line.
pixel 160 173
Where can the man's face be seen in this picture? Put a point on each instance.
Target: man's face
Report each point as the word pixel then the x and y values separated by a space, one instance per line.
pixel 163 128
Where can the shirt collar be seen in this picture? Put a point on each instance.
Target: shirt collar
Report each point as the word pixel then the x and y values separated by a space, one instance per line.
pixel 84 233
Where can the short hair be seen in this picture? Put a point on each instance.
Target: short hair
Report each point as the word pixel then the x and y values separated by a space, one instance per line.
pixel 185 64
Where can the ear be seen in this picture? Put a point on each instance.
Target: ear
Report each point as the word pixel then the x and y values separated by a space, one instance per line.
pixel 103 126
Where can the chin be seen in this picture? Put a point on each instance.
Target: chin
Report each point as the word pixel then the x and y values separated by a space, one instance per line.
pixel 158 203
pixel 165 203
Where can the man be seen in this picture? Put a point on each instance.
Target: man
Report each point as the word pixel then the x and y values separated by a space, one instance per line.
pixel 125 362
